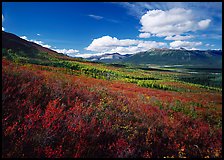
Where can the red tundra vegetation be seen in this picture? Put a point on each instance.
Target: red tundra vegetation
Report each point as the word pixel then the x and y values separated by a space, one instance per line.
pixel 50 114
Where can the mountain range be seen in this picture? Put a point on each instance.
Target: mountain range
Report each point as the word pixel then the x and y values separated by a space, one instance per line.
pixel 208 58
pixel 109 57
pixel 199 58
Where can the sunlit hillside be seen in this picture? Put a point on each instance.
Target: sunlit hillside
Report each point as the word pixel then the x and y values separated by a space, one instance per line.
pixel 55 106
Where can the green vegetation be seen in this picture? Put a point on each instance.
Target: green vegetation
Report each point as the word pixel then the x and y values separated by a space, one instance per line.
pixel 152 78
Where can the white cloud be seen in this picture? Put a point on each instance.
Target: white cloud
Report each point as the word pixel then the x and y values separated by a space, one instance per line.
pixel 87 55
pixel 40 43
pixel 193 48
pixel 36 41
pixel 100 17
pixel 200 10
pixel 24 37
pixel 171 22
pixel 95 17
pixel 185 44
pixel 66 51
pixel 151 44
pixel 3 29
pixel 178 37
pixel 204 23
pixel 144 35
pixel 134 9
pixel 38 34
pixel 46 46
pixel 109 45
pixel 209 45
pixel 125 50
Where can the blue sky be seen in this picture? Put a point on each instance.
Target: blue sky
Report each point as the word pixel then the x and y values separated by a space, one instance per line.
pixel 87 28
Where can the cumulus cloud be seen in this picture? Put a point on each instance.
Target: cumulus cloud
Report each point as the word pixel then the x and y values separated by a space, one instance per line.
pixel 66 51
pixel 40 43
pixel 36 41
pixel 46 46
pixel 144 35
pixel 178 37
pixel 204 23
pixel 185 44
pixel 38 34
pixel 24 37
pixel 109 44
pixel 201 10
pixel 106 43
pixel 171 22
pixel 209 45
pixel 87 55
pixel 3 29
pixel 95 17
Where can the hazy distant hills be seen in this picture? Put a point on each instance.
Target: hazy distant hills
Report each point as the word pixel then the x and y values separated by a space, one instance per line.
pixel 208 58
pixel 108 57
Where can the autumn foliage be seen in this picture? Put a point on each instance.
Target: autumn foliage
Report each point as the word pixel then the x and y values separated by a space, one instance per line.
pixel 49 114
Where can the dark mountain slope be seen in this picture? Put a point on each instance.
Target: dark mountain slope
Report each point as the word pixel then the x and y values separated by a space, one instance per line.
pixel 208 58
pixel 24 47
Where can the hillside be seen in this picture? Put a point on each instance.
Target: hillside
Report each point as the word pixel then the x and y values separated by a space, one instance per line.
pixel 16 48
pixel 17 44
pixel 54 106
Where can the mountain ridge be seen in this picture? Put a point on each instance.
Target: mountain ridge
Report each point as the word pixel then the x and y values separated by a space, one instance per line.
pixel 30 49
pixel 178 57
pixel 12 41
pixel 107 57
pixel 165 56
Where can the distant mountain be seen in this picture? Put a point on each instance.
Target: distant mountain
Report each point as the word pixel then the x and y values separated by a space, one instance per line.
pixel 108 57
pixel 208 58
